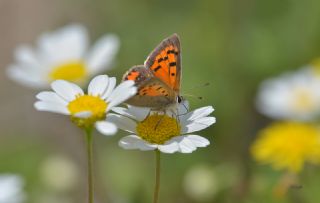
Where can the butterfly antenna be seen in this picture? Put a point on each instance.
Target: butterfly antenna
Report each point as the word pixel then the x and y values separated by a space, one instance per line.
pixel 193 96
pixel 194 87
pixel 201 85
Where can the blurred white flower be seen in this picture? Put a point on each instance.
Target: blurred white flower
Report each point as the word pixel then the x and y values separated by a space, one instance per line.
pixel 11 189
pixel 201 183
pixel 291 96
pixel 204 182
pixel 62 167
pixel 62 54
pixel 163 132
pixel 86 110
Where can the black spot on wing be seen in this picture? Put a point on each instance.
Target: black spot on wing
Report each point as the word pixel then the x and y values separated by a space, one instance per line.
pixel 157 68
pixel 172 52
pixel 172 64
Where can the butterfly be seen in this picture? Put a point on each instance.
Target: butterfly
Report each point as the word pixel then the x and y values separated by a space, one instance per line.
pixel 158 80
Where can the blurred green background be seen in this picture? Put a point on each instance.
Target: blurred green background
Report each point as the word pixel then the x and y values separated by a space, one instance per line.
pixel 231 44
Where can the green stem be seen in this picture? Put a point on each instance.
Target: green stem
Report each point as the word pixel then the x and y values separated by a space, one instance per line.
pixel 89 140
pixel 157 185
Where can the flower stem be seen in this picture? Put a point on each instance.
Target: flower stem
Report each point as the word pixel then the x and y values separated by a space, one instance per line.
pixel 157 185
pixel 89 140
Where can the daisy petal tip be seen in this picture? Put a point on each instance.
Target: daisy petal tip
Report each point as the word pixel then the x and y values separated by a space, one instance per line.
pixel 39 95
pixel 198 141
pixel 208 110
pixel 36 105
pixel 51 107
pixel 128 83
pixel 212 120
pixel 106 128
pixel 133 90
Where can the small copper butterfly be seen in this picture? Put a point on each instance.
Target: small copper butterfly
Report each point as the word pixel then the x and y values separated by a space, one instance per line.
pixel 158 80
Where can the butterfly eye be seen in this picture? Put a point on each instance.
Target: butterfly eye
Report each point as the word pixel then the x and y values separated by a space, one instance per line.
pixel 179 99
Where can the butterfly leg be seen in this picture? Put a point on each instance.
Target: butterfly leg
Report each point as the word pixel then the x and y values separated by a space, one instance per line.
pixel 160 120
pixel 176 115
pixel 149 113
pixel 184 112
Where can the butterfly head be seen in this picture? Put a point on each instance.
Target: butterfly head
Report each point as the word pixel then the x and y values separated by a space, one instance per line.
pixel 180 99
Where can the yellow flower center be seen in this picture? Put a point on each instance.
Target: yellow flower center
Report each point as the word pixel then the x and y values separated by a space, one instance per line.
pixel 158 129
pixel 287 145
pixel 87 103
pixel 303 100
pixel 74 71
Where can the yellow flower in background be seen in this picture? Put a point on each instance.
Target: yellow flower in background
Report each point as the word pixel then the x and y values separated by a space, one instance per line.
pixel 315 66
pixel 62 54
pixel 287 145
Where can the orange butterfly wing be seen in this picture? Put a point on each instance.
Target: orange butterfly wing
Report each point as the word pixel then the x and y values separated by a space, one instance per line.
pixel 152 92
pixel 165 62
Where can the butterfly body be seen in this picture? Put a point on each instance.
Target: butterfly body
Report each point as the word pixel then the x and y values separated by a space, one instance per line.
pixel 158 80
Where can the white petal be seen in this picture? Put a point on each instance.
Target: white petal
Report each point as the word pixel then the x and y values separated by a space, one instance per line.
pixel 169 147
pixel 198 141
pixel 121 93
pixel 185 145
pixel 11 187
pixel 135 142
pixel 25 55
pixel 140 113
pixel 102 53
pixel 49 96
pixel 98 85
pixel 66 90
pixel 112 84
pixel 106 128
pixel 183 107
pixel 122 122
pixel 25 77
pixel 51 107
pixel 136 113
pixel 122 111
pixel 83 114
pixel 77 89
pixel 198 124
pixel 68 43
pixel 199 113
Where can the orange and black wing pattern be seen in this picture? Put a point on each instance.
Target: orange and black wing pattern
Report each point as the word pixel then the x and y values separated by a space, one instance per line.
pixel 152 92
pixel 139 74
pixel 165 62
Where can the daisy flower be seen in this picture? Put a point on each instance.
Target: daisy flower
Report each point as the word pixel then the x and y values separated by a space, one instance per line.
pixel 62 54
pixel 86 110
pixel 151 131
pixel 166 132
pixel 291 96
pixel 11 189
pixel 287 146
